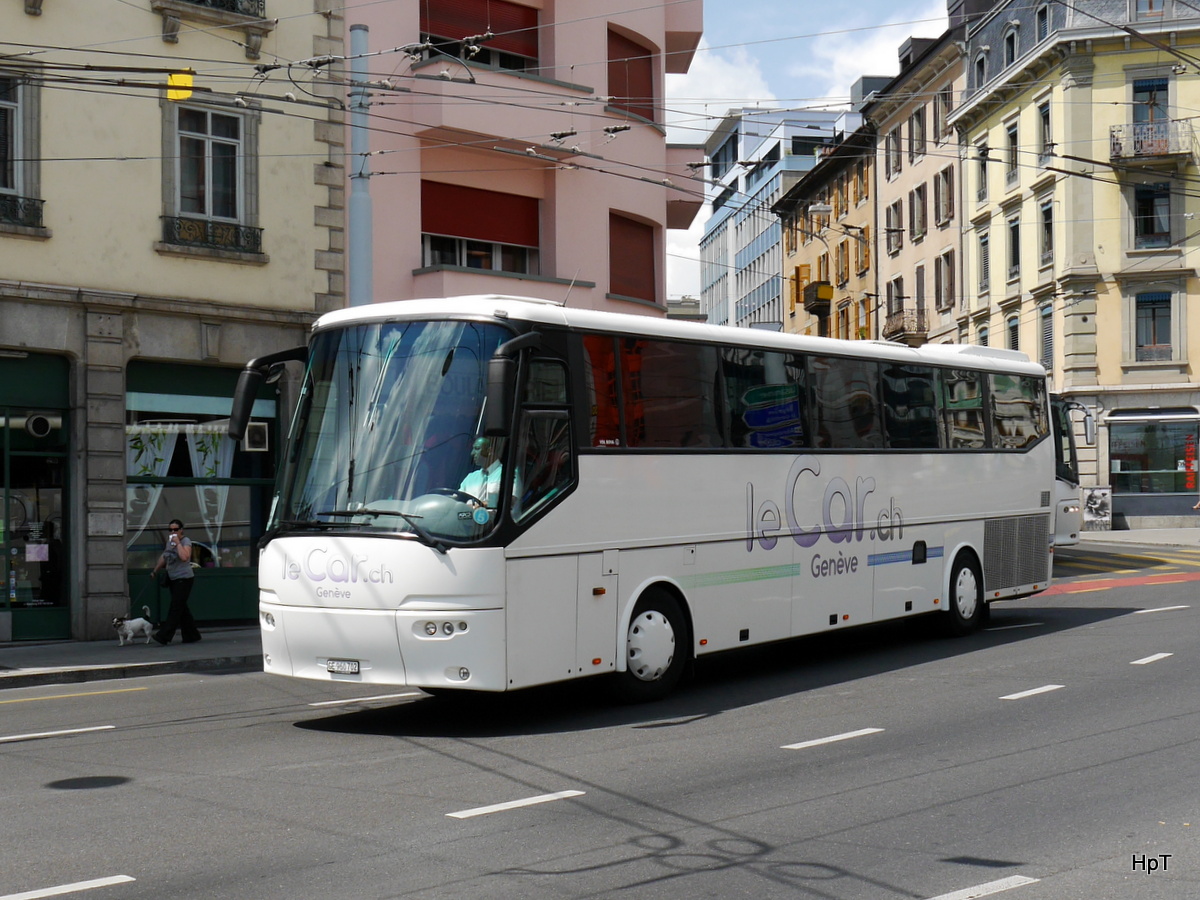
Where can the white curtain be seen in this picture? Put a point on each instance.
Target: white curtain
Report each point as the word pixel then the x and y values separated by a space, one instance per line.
pixel 148 451
pixel 211 452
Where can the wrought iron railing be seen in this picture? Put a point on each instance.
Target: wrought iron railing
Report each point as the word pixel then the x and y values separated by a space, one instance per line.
pixel 256 8
pixel 212 235
pixel 1146 140
pixel 24 211
pixel 905 322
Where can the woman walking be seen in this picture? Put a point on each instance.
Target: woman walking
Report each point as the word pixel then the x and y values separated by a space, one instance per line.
pixel 177 559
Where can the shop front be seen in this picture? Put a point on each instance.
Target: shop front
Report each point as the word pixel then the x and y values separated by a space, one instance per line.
pixel 180 464
pixel 35 602
pixel 1152 463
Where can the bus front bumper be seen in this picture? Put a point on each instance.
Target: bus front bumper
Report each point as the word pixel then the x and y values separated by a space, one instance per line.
pixel 421 648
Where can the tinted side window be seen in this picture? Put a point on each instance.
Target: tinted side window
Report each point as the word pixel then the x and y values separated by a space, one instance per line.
pixel 765 399
pixel 670 393
pixel 1018 411
pixel 600 390
pixel 845 403
pixel 963 408
pixel 910 406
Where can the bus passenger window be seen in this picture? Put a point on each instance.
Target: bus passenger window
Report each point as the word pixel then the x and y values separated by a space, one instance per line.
pixel 600 390
pixel 910 406
pixel 764 399
pixel 670 394
pixel 963 409
pixel 1018 411
pixel 846 404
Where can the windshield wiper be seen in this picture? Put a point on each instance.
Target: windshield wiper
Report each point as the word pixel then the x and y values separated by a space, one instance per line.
pixel 420 532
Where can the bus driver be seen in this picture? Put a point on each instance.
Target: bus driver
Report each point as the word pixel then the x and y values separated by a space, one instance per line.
pixel 484 483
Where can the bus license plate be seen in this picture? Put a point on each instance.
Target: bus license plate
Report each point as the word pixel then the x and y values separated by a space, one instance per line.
pixel 342 666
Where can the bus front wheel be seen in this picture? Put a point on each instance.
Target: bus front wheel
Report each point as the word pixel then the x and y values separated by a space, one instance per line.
pixel 966 610
pixel 656 649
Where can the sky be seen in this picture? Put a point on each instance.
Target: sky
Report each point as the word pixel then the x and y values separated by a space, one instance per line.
pixel 780 54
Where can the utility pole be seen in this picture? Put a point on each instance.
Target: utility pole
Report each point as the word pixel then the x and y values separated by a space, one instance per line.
pixel 359 242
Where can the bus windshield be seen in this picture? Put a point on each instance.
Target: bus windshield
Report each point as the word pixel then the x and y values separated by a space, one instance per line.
pixel 388 434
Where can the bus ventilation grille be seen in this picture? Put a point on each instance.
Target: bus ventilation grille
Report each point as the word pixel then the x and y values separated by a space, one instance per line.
pixel 1045 499
pixel 1014 552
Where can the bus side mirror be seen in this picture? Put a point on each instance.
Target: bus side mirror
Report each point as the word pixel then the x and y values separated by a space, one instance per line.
pixel 268 368
pixel 1089 429
pixel 502 383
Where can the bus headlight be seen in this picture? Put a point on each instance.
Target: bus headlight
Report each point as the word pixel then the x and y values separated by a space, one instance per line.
pixel 447 628
pixel 464 673
pixel 431 628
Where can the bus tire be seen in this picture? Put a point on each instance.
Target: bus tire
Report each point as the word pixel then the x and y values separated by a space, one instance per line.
pixel 965 610
pixel 656 645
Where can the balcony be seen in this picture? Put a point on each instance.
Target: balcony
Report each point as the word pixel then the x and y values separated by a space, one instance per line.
pixel 1166 141
pixel 209 235
pixel 817 297
pixel 21 211
pixel 245 16
pixel 908 326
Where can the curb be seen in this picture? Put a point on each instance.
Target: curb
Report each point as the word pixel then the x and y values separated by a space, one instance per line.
pixel 33 677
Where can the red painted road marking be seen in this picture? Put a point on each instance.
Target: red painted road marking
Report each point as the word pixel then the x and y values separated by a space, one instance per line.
pixel 1130 581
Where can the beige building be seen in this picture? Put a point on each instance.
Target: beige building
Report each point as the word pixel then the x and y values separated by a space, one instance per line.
pixel 917 195
pixel 148 247
pixel 1080 244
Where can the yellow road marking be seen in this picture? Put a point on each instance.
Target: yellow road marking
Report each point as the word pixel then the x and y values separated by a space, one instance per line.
pixel 83 694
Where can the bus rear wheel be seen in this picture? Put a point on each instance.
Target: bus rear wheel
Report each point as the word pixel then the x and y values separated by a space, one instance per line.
pixel 967 610
pixel 656 649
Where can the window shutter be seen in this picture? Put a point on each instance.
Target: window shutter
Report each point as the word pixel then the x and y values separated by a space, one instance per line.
pixel 631 268
pixel 630 76
pixel 515 26
pixel 476 214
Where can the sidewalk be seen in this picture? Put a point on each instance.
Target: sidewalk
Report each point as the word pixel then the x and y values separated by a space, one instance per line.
pixel 240 649
pixel 23 664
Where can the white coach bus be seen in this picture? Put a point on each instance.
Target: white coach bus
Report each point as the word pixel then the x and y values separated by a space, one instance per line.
pixel 489 493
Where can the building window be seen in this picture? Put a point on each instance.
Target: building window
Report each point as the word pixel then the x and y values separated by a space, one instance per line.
pixel 1150 9
pixel 917 213
pixel 213 183
pixel 1013 226
pixel 895 296
pixel 892 162
pixel 1011 155
pixel 1151 216
pixel 895 227
pixel 862 250
pixel 943 103
pixel 1045 136
pixel 916 134
pixel 982 335
pixel 981 172
pixel 943 280
pixel 985 262
pixel 512 31
pixel 1153 327
pixel 1046 351
pixel 943 196
pixel 631 258
pixel 477 229
pixel 1010 47
pixel 980 70
pixel 1046 232
pixel 20 205
pixel 1042 23
pixel 1013 326
pixel 631 77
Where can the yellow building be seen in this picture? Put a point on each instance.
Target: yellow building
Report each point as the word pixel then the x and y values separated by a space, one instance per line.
pixel 1079 243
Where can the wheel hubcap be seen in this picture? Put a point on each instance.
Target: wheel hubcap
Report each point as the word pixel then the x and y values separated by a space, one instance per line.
pixel 651 645
pixel 966 593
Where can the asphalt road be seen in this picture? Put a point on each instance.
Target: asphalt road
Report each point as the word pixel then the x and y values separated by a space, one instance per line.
pixel 1054 756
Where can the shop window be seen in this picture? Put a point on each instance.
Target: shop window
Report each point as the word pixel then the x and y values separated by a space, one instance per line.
pixel 181 464
pixel 1153 451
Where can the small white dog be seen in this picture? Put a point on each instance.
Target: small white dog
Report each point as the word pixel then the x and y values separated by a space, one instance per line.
pixel 131 628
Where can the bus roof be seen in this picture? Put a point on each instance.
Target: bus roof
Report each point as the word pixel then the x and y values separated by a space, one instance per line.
pixel 549 312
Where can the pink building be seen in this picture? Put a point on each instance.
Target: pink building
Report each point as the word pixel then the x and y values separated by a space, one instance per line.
pixel 520 148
